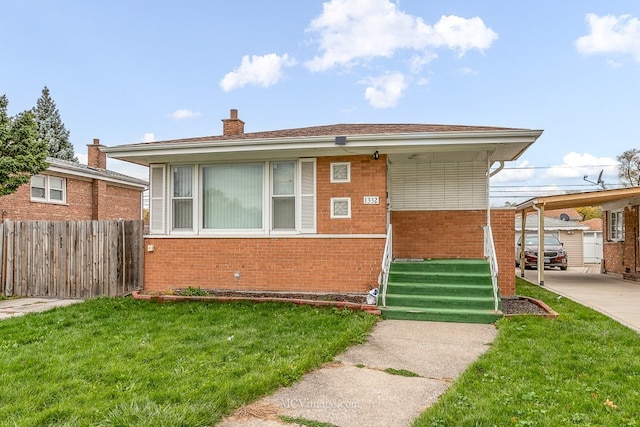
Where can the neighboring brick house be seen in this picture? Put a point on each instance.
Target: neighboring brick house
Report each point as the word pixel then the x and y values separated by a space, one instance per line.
pixel 73 191
pixel 308 209
pixel 621 238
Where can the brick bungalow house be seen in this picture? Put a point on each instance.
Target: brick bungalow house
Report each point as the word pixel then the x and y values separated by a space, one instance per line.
pixel 309 209
pixel 73 191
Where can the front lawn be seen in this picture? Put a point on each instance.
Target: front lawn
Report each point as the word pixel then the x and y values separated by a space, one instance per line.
pixel 122 362
pixel 580 369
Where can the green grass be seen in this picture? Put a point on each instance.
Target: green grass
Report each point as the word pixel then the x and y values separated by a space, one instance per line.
pixel 122 362
pixel 401 372
pixel 305 422
pixel 579 369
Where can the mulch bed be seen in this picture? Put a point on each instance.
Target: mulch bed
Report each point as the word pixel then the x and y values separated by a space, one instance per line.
pixel 526 305
pixel 510 306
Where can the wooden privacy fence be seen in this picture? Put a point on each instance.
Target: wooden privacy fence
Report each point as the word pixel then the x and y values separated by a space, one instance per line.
pixel 70 259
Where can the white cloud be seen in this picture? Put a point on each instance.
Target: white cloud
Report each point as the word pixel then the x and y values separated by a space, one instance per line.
pixel 418 61
pixel 385 91
pixel 183 114
pixel 577 165
pixel 148 137
pixel 611 35
pixel 264 71
pixel 514 174
pixel 467 71
pixel 346 36
pixel 82 158
pixel 614 64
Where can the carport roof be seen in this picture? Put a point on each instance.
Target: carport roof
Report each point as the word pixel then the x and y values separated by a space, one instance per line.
pixel 572 200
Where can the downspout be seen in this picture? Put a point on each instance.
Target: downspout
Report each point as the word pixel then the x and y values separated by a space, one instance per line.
pixel 540 244
pixel 523 235
pixel 489 175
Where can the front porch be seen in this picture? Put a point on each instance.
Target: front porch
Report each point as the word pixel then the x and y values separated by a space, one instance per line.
pixel 444 290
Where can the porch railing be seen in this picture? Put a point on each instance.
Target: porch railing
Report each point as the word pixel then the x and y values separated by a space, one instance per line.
pixel 490 255
pixel 387 257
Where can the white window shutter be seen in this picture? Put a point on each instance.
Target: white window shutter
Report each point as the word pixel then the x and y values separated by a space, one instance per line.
pixel 308 195
pixel 156 199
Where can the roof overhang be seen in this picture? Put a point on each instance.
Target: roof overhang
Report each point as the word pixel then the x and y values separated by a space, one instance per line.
pixel 497 145
pixel 91 174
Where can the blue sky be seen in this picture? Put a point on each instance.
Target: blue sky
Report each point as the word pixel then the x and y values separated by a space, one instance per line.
pixel 131 71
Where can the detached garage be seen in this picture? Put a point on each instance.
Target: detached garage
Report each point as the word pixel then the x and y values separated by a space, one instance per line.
pixel 570 233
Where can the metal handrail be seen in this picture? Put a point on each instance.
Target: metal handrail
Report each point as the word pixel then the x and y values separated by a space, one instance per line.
pixel 490 255
pixel 387 257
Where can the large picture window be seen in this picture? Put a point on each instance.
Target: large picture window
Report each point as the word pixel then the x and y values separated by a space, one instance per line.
pixel 46 188
pixel 267 197
pixel 232 197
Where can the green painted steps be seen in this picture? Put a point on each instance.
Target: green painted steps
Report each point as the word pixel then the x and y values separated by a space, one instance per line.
pixel 446 290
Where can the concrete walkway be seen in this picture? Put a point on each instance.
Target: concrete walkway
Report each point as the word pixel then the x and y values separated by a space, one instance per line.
pixel 355 391
pixel 21 306
pixel 606 293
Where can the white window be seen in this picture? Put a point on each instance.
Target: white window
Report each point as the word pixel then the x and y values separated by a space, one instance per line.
pixel 340 207
pixel 616 225
pixel 46 188
pixel 341 172
pixel 182 197
pixel 266 197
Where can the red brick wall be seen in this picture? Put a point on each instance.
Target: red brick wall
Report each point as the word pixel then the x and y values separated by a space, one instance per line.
pixel 368 178
pixel 122 202
pixel 438 234
pixel 456 234
pixel 293 264
pixel 119 202
pixel 503 227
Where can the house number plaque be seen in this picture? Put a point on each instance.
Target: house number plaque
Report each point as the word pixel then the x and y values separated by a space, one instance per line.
pixel 371 200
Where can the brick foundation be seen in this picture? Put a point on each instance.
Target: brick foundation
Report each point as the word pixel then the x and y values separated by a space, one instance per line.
pixel 286 264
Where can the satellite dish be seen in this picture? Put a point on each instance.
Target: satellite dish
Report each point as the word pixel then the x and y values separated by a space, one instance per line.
pixel 599 182
pixel 564 216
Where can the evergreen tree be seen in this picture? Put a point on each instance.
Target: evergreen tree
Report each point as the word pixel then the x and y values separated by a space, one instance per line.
pixel 22 153
pixel 51 129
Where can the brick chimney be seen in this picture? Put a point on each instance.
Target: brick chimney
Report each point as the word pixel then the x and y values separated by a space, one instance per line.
pixel 95 157
pixel 233 125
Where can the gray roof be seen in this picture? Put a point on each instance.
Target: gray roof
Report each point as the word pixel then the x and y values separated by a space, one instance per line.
pixel 75 168
pixel 338 130
pixel 550 224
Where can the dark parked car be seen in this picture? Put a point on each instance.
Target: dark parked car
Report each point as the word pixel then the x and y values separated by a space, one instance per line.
pixel 554 253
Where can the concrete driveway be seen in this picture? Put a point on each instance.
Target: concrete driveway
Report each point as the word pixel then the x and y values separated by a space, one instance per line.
pixel 606 293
